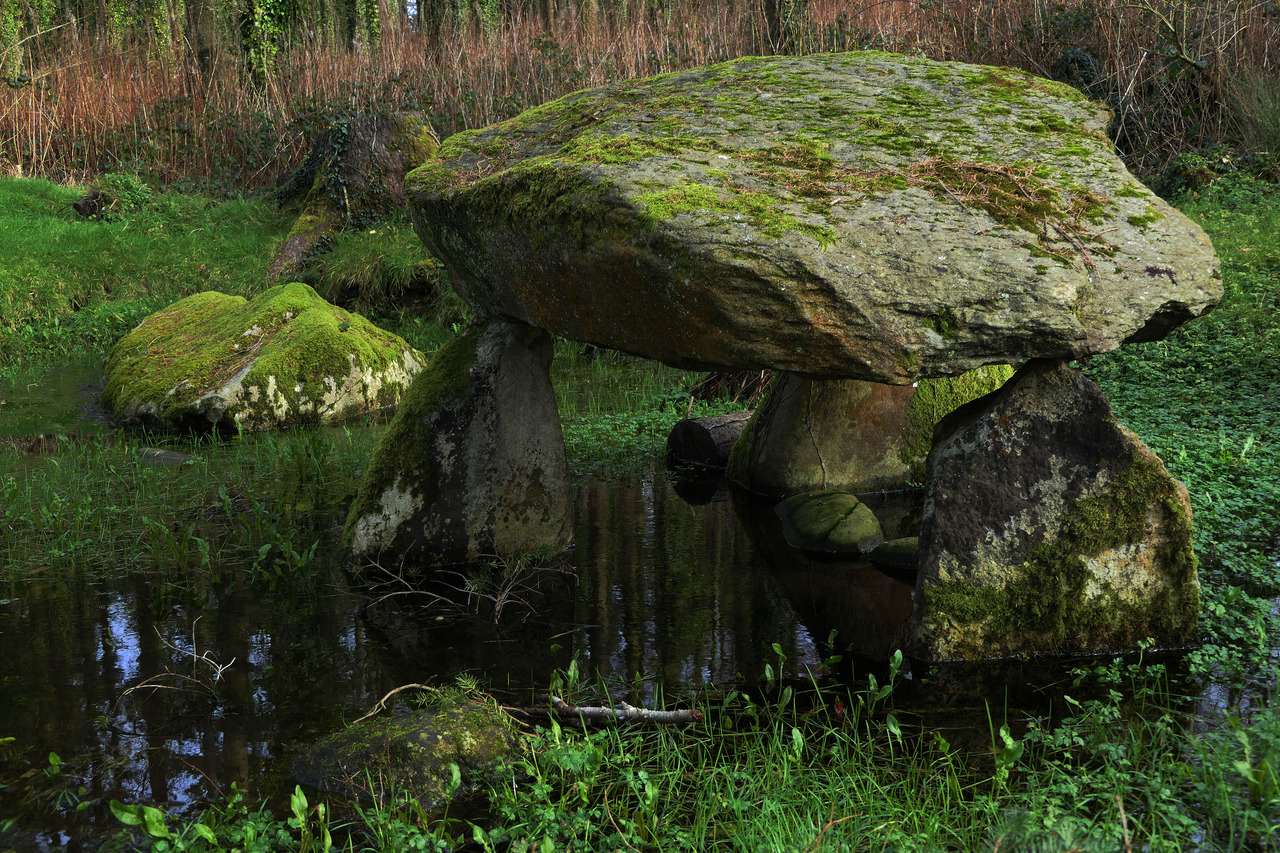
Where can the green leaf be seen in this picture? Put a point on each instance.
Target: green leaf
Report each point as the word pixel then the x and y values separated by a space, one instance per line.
pixel 298 805
pixel 128 815
pixel 153 822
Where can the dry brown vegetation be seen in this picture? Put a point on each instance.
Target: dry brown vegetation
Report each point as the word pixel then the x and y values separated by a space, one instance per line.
pixel 1168 68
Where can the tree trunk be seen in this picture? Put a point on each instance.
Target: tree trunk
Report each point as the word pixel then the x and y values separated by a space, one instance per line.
pixel 704 442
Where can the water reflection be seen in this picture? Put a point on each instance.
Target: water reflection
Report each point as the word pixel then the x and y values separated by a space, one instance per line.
pixel 165 687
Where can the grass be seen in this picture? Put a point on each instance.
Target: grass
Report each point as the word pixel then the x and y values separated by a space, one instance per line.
pixel 68 284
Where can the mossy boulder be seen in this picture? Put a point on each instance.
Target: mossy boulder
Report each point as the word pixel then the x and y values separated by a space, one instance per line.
pixel 473 463
pixel 847 215
pixel 286 357
pixel 814 434
pixel 832 521
pixel 414 754
pixel 902 553
pixel 1049 528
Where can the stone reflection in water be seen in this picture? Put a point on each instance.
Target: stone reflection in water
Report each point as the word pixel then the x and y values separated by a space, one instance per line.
pixel 866 606
pixel 675 593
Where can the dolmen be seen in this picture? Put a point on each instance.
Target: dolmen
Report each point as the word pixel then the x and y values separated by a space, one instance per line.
pixel 862 223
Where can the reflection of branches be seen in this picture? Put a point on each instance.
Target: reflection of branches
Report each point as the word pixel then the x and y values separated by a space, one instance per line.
pixel 500 581
pixel 199 681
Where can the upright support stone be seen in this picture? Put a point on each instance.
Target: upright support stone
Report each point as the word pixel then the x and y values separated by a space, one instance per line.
pixel 814 434
pixel 1049 528
pixel 473 463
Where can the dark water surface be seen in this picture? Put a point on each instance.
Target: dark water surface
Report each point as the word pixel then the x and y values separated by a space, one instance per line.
pixel 166 687
pixel 116 675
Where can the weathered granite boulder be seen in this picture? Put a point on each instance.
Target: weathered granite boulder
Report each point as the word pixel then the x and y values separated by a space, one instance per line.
pixel 813 434
pixel 832 521
pixel 1049 528
pixel 286 357
pixel 852 215
pixel 414 754
pixel 473 463
pixel 352 177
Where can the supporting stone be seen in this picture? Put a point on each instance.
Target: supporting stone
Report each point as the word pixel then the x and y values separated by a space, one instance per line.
pixel 473 464
pixel 1049 528
pixel 815 434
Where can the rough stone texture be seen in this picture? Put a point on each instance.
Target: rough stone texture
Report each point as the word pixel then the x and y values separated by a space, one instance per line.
pixel 412 753
pixel 812 434
pixel 473 462
pixel 832 521
pixel 287 357
pixel 856 215
pixel 1049 527
pixel 901 553
pixel 352 176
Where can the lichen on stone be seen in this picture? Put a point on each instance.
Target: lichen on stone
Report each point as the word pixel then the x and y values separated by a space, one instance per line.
pixel 286 357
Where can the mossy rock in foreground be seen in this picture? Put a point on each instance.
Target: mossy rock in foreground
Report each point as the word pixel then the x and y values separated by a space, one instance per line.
pixel 414 754
pixel 286 357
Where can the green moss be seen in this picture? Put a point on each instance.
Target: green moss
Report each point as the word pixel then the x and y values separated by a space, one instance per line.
pixel 430 178
pixel 416 752
pixel 596 128
pixel 546 192
pixel 1044 603
pixel 935 399
pixel 623 149
pixel 290 349
pixel 944 322
pixel 763 211
pixel 1148 217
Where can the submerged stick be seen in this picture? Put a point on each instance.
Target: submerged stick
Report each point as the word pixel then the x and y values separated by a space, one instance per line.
pixel 625 712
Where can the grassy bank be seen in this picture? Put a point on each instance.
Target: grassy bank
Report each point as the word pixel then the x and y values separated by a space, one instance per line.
pixel 1174 756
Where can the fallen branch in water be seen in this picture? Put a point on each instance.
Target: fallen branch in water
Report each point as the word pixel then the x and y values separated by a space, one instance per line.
pixel 625 713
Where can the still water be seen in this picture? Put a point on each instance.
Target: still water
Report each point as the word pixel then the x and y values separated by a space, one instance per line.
pixel 168 687
pixel 115 675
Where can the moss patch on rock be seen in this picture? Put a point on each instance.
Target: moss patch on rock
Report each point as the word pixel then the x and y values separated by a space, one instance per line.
pixel 1059 599
pixel 287 357
pixel 935 399
pixel 400 479
pixel 415 754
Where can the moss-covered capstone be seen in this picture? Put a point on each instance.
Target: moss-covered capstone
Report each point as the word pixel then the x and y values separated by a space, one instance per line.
pixel 414 754
pixel 814 434
pixel 850 215
pixel 286 357
pixel 1049 528
pixel 473 463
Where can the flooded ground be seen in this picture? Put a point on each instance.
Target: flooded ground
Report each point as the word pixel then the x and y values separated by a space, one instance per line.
pixel 170 686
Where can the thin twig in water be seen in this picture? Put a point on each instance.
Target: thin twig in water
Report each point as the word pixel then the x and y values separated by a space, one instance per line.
pixel 382 703
pixel 625 713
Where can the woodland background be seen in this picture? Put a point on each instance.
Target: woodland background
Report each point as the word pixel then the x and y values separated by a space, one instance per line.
pixel 223 96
